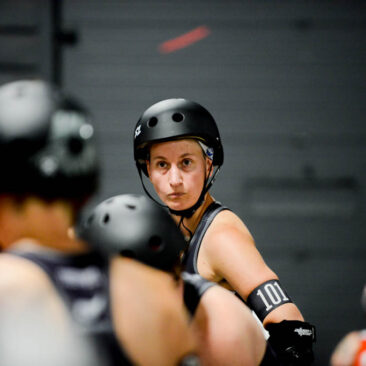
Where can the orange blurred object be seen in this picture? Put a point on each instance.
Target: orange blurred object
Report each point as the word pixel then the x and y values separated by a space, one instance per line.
pixel 360 359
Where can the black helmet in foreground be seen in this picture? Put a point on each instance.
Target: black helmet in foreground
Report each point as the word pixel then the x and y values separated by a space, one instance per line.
pixel 133 226
pixel 47 145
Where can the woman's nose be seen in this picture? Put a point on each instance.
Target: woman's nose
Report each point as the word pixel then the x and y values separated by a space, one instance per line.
pixel 175 176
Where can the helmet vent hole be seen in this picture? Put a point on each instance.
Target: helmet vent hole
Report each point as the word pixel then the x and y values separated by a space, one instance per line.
pixel 127 253
pixel 108 202
pixel 178 117
pixel 131 207
pixel 153 121
pixel 75 146
pixel 155 243
pixel 106 219
pixel 90 219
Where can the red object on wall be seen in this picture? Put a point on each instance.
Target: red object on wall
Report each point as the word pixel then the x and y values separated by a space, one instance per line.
pixel 185 39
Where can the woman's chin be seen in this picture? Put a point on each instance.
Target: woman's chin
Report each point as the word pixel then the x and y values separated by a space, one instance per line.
pixel 177 206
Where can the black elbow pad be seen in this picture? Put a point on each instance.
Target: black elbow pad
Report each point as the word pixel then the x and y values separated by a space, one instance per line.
pixel 292 341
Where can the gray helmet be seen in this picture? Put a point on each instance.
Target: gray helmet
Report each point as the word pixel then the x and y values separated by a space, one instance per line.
pixel 133 226
pixel 173 119
pixel 47 146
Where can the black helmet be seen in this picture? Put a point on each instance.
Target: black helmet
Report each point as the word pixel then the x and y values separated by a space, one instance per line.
pixel 133 226
pixel 47 146
pixel 173 119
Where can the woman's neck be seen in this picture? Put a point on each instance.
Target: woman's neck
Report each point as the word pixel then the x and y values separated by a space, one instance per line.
pixel 63 245
pixel 47 223
pixel 189 225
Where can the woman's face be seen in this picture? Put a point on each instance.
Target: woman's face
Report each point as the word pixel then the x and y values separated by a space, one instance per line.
pixel 177 170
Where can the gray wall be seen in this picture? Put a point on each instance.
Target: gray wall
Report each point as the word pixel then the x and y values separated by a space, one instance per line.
pixel 285 81
pixel 26 39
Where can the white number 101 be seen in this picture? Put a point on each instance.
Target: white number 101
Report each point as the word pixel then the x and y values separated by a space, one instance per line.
pixel 275 295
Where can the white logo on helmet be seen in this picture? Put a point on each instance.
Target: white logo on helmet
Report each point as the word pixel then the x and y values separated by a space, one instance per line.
pixel 138 130
pixel 209 151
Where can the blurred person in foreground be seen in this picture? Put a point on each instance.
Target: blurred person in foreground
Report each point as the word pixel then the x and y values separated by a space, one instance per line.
pixel 143 243
pixel 54 290
pixel 351 349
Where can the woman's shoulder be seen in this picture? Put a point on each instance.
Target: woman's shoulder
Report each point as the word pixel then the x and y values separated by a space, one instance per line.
pixel 228 220
pixel 228 226
pixel 18 274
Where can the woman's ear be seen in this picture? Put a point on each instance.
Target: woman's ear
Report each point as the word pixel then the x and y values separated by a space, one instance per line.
pixel 71 233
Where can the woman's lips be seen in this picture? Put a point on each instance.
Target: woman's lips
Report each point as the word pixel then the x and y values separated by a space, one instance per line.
pixel 175 195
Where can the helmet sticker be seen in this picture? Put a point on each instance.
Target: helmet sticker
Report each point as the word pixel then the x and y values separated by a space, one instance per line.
pixel 209 151
pixel 138 130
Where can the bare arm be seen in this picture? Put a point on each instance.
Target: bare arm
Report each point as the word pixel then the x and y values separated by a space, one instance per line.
pixel 345 352
pixel 149 318
pixel 233 256
pixel 228 333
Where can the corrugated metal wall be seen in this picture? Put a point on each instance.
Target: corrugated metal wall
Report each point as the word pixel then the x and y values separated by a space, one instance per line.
pixel 286 83
pixel 26 39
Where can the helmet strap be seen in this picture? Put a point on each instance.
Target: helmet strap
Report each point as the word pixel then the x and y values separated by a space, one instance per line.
pixel 187 213
pixel 181 223
pixel 145 189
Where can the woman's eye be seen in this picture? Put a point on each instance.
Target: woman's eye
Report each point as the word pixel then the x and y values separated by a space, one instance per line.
pixel 186 162
pixel 161 164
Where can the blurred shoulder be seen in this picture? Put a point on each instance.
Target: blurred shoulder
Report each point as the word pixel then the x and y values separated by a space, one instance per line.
pixel 20 276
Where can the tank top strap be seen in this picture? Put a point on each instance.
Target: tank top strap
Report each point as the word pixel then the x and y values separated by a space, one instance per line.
pixel 195 243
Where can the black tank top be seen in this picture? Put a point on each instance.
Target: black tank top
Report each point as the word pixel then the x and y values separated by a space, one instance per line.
pixel 82 282
pixel 190 261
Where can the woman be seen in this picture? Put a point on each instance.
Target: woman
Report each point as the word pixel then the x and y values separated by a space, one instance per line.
pixel 178 146
pixel 54 301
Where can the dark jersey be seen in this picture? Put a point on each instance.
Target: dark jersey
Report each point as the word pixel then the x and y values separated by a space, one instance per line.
pixel 192 294
pixel 82 282
pixel 190 262
pixel 195 285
